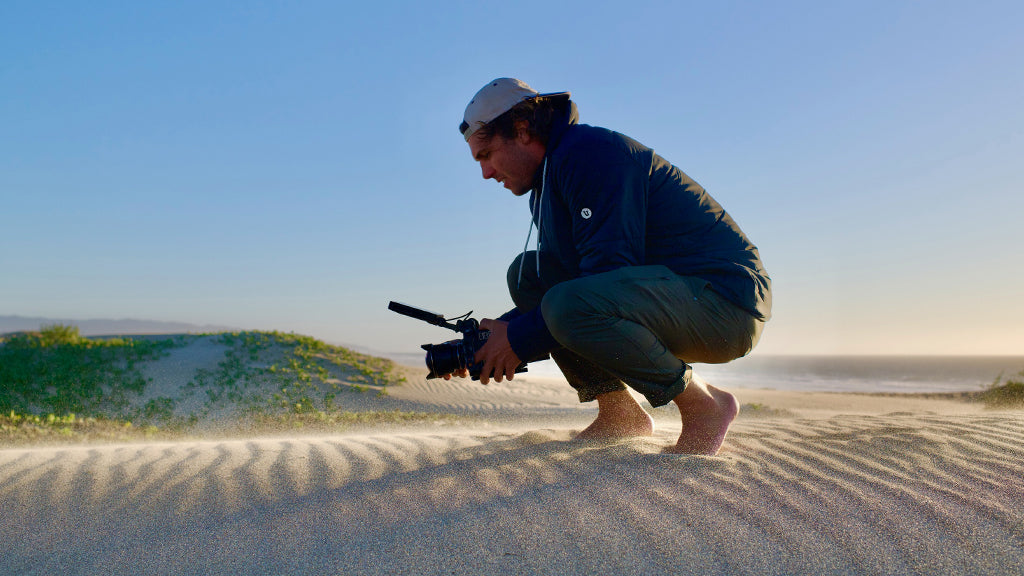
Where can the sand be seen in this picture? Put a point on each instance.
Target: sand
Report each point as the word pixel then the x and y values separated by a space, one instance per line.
pixel 806 483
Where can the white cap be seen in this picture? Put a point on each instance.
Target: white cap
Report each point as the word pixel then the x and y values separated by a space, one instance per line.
pixel 496 98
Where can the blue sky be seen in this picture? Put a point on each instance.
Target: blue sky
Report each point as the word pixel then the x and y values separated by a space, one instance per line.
pixel 295 166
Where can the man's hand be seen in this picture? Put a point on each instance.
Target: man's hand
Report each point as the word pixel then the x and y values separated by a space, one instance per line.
pixel 461 373
pixel 497 355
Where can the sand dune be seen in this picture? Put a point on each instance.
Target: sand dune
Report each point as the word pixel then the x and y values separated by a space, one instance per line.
pixel 910 492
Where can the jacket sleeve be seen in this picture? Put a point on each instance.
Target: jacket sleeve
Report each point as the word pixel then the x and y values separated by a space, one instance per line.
pixel 510 315
pixel 529 336
pixel 604 187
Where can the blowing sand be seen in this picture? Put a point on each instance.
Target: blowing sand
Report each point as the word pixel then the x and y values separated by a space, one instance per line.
pixel 806 483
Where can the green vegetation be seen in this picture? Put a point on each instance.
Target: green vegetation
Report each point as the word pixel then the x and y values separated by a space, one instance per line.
pixel 56 385
pixel 303 375
pixel 31 429
pixel 758 410
pixel 1009 394
pixel 56 371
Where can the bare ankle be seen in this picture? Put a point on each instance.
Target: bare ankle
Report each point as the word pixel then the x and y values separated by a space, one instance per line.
pixel 619 415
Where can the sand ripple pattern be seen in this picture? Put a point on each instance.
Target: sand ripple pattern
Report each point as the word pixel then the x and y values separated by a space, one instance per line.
pixel 851 495
pixel 463 394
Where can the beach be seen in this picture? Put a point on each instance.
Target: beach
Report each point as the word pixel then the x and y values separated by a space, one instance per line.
pixel 806 483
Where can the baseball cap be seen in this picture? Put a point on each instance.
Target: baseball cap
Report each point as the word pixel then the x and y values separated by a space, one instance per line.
pixel 496 98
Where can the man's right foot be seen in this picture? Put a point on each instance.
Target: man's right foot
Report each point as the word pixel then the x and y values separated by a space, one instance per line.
pixel 706 414
pixel 619 415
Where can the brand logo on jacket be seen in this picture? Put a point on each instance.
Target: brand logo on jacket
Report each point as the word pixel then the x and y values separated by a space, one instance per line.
pixel 586 213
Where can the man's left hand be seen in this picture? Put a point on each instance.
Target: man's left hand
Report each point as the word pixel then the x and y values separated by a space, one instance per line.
pixel 497 355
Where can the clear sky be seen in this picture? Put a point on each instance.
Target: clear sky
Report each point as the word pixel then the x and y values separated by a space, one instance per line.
pixel 296 165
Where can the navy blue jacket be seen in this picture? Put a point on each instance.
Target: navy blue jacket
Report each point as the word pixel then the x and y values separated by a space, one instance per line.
pixel 609 201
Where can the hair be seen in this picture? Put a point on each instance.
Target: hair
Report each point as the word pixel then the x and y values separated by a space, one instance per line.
pixel 538 113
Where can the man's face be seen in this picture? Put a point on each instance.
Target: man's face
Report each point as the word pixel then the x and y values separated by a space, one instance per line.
pixel 513 163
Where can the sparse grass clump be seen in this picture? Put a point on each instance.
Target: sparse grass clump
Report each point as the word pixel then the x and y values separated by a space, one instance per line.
pixel 1009 394
pixel 18 429
pixel 758 410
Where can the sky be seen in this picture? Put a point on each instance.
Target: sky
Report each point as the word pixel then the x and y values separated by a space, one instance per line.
pixel 295 166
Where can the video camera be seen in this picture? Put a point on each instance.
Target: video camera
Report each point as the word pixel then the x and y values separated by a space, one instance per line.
pixel 453 355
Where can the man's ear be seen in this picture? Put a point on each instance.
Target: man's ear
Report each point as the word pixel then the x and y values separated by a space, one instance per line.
pixel 523 132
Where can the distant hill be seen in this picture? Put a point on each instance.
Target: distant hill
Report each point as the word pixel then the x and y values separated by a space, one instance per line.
pixel 106 327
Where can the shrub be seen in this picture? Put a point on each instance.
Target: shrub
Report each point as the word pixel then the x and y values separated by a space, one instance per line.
pixel 53 334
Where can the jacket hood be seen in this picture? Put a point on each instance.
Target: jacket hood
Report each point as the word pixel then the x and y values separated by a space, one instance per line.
pixel 568 115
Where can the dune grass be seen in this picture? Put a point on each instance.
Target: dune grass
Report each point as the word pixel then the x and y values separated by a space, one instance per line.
pixel 21 429
pixel 57 386
pixel 758 410
pixel 1008 394
pixel 302 374
pixel 57 371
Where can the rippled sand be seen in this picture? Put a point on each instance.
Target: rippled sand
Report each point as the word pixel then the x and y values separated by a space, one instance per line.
pixel 820 484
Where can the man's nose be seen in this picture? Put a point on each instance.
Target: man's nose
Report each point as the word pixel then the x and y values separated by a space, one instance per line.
pixel 487 169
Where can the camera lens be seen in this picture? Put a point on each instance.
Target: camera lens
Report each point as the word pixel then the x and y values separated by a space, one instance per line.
pixel 445 358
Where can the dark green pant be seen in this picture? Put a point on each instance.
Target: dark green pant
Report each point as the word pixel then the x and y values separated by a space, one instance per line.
pixel 638 325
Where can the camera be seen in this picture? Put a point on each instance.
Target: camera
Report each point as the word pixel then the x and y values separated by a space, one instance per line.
pixel 453 355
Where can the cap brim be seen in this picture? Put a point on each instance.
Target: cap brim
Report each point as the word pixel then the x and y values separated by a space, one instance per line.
pixel 554 95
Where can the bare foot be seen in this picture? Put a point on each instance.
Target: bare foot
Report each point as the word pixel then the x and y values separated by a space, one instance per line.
pixel 618 416
pixel 706 412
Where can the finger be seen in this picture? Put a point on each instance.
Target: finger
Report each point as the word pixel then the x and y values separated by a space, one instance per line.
pixel 480 356
pixel 506 371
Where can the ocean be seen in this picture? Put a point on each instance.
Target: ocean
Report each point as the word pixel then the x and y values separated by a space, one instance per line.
pixel 903 374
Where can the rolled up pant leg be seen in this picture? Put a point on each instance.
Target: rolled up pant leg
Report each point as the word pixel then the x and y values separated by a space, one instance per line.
pixel 528 290
pixel 643 324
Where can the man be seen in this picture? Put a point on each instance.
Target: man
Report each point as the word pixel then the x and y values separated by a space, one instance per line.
pixel 638 271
